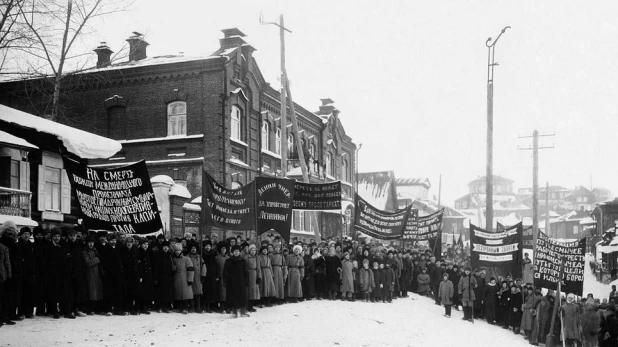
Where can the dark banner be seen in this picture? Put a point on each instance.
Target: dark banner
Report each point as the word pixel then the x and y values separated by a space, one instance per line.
pixel 232 209
pixel 118 199
pixel 325 196
pixel 547 255
pixel 379 224
pixel 501 251
pixel 528 240
pixel 430 226
pixel 411 229
pixel 275 198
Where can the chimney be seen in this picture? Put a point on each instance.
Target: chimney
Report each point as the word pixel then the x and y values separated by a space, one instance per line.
pixel 103 53
pixel 327 107
pixel 137 47
pixel 232 38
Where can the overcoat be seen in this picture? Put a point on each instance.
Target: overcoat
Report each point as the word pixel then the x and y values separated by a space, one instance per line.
pixel 253 269
pixel 236 278
pixel 144 266
pixel 163 277
pixel 308 280
pixel 466 286
pixel 366 280
pixel 296 271
pixel 280 273
pixel 423 283
pixel 319 263
pixel 333 268
pixel 347 277
pixel 210 289
pixel 131 271
pixel 93 276
pixel 445 292
pixel 221 260
pixel 199 269
pixel 267 285
pixel 571 314
pixel 515 303
pixel 527 318
pixel 489 301
pixel 541 320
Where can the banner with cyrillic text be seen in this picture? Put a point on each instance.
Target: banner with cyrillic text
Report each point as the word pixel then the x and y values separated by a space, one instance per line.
pixel 500 250
pixel 379 224
pixel 119 199
pixel 275 199
pixel 326 196
pixel 527 238
pixel 430 226
pixel 411 229
pixel 547 255
pixel 232 209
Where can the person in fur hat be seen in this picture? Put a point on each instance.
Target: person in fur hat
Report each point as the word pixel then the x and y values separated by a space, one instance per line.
pixel 515 305
pixel 280 272
pixel 5 276
pixel 320 283
pixel 163 278
pixel 184 273
pixel 490 294
pixel 333 270
pixel 200 277
pixel 424 281
pixel 347 278
pixel 465 289
pixel 13 285
pixel 221 259
pixel 366 280
pixel 446 291
pixel 236 281
pixel 308 281
pixel 572 323
pixel 376 294
pixel 267 284
pixel 210 295
pixel 255 277
pixel 296 272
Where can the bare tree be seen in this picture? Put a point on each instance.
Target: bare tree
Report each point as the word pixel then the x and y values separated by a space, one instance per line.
pixel 14 35
pixel 56 26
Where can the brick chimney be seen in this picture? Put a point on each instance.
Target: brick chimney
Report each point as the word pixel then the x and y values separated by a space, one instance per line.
pixel 137 47
pixel 327 107
pixel 232 38
pixel 103 55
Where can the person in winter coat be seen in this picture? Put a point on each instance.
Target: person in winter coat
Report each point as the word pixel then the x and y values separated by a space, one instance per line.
pixel 255 277
pixel 236 278
pixel 131 275
pixel 406 272
pixel 376 295
pixel 59 278
pixel 308 280
pixel 416 270
pixel 12 286
pixel 296 272
pixel 199 277
pixel 366 280
pixel 504 300
pixel 515 306
pixel 28 259
pixel 454 277
pixel 93 276
pixel 446 292
pixel 571 315
pixel 347 278
pixel 424 281
pixel 478 293
pixel 319 264
pixel 280 272
pixel 490 294
pixel 541 319
pixel 333 271
pixel 528 312
pixel 79 288
pixel 5 275
pixel 267 285
pixel 609 329
pixel 114 287
pixel 40 289
pixel 210 289
pixel 163 278
pixel 184 275
pixel 145 271
pixel 528 269
pixel 435 275
pixel 465 289
pixel 389 282
pixel 591 324
pixel 221 258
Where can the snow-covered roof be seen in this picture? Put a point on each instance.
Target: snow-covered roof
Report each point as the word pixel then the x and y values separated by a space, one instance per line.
pixel 197 200
pixel 19 221
pixel 296 171
pixel 191 207
pixel 81 143
pixel 162 179
pixel 150 61
pixel 180 190
pixel 14 140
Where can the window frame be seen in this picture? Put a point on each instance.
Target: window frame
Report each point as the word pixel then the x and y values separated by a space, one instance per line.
pixel 176 122
pixel 50 192
pixel 278 140
pixel 265 135
pixel 15 175
pixel 236 123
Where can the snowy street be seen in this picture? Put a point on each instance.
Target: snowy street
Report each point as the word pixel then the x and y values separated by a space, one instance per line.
pixel 405 322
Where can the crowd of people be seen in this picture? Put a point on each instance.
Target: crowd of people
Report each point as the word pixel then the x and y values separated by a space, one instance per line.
pixel 71 273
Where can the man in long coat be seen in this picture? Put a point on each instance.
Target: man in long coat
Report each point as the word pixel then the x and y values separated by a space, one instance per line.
pixel 542 319
pixel 528 312
pixel 5 275
pixel 465 288
pixel 59 271
pixel 183 270
pixel 93 276
pixel 280 271
pixel 236 278
pixel 571 314
pixel 255 277
pixel 210 288
pixel 13 285
pixel 267 284
pixel 333 269
pixel 222 258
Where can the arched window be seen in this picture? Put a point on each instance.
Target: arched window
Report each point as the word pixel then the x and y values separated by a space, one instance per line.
pixel 344 171
pixel 236 123
pixel 332 166
pixel 312 150
pixel 329 166
pixel 265 135
pixel 177 118
pixel 278 141
pixel 290 143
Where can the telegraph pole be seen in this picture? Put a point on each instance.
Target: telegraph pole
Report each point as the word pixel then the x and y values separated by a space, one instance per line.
pixel 489 188
pixel 535 180
pixel 547 226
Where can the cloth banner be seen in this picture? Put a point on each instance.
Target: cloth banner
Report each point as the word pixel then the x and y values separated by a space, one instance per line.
pixel 232 209
pixel 119 199
pixel 325 196
pixel 275 199
pixel 430 226
pixel 411 229
pixel 547 255
pixel 528 239
pixel 379 224
pixel 501 251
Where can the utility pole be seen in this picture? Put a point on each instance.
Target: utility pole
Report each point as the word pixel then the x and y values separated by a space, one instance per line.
pixel 439 190
pixel 535 180
pixel 547 226
pixel 489 188
pixel 550 340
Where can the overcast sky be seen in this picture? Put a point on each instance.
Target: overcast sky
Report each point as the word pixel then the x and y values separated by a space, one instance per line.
pixel 410 77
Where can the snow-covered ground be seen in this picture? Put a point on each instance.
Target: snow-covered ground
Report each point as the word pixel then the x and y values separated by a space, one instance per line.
pixel 414 321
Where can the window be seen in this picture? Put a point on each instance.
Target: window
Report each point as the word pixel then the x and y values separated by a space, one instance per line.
pixel 265 135
pixel 301 220
pixel 278 141
pixel 329 166
pixel 177 118
pixel 290 144
pixel 575 230
pixel 344 171
pixel 236 123
pixel 332 166
pixel 238 155
pixel 52 189
pixel 312 150
pixel 14 174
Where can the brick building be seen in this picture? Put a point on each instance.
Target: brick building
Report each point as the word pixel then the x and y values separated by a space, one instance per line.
pixel 185 114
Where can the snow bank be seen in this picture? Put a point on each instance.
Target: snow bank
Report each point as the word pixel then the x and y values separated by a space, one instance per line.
pixel 181 191
pixel 414 321
pixel 81 143
pixel 591 285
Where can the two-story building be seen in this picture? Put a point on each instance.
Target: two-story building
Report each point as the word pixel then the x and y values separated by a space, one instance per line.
pixel 186 114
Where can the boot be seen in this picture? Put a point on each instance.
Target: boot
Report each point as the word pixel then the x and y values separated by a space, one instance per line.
pixel 237 313
pixel 466 313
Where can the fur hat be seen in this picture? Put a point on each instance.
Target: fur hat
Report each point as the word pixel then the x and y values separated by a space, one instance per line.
pixel 165 243
pixel 245 244
pixel 56 231
pixel 263 248
pixel 177 247
pixel 142 241
pixel 8 226
pixel 222 245
pixel 24 230
pixel 445 274
pixel 236 248
pixel 37 230
pixel 90 239
pixel 252 246
pixel 206 243
pixel 297 247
